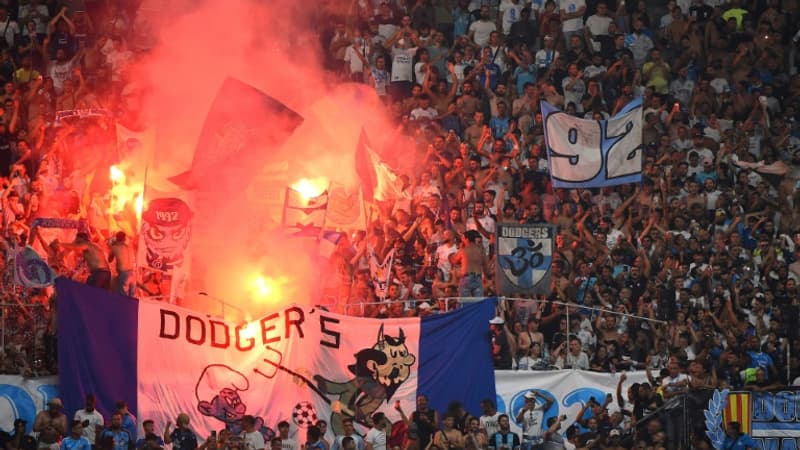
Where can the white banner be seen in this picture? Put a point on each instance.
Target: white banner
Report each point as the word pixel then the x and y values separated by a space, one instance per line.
pixel 569 389
pixel 23 398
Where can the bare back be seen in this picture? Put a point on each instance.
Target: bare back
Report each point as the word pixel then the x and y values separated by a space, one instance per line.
pixel 94 257
pixel 124 256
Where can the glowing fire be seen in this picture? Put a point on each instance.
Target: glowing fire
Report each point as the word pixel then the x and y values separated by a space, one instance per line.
pixel 124 197
pixel 310 187
pixel 267 288
pixel 117 175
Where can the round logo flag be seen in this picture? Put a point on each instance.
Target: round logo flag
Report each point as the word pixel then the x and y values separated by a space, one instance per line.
pixel 30 270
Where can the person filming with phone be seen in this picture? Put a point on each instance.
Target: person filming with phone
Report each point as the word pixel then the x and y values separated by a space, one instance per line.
pixel 531 416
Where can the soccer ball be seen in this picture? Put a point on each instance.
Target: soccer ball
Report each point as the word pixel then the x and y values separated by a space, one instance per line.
pixel 304 415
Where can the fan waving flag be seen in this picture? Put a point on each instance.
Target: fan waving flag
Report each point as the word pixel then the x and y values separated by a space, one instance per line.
pixel 242 129
pixel 297 364
pixel 378 180
pixel 594 153
pixel 300 211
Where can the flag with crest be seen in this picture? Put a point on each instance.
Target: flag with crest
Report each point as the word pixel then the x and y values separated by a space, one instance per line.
pixel 345 208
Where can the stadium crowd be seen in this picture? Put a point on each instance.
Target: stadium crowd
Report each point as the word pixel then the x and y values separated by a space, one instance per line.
pixel 65 73
pixel 692 274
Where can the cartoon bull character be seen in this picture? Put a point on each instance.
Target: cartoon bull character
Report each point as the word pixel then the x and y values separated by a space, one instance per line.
pixel 378 373
pixel 217 393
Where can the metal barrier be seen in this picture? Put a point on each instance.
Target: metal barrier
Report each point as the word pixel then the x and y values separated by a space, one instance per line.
pixel 466 300
pixel 8 310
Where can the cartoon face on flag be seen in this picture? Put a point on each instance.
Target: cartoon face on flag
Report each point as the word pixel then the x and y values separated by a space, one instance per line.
pixel 594 153
pixel 166 232
pixel 298 364
pixel 524 258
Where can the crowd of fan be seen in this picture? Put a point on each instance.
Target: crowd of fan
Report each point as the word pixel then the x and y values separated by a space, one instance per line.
pixel 692 274
pixel 55 57
pixel 424 429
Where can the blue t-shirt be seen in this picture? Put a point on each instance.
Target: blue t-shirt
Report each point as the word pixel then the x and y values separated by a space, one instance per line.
pixel 461 20
pixel 499 126
pixel 494 75
pixel 70 443
pixel 122 438
pixel 129 424
pixel 524 76
pixel 759 359
pixel 741 443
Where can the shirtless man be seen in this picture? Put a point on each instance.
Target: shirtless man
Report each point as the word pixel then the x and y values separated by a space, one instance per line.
pixel 474 264
pixel 100 275
pixel 125 257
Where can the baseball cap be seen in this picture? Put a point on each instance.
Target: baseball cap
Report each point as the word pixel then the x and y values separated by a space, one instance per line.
pixel 530 395
pixel 497 321
pixel 167 211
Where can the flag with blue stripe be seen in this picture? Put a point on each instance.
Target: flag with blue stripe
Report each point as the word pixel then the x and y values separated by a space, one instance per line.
pixel 299 363
pixel 524 258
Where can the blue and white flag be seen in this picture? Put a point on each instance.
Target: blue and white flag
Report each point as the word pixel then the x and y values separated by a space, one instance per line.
pixel 30 270
pixel 298 364
pixel 524 258
pixel 328 242
pixel 586 153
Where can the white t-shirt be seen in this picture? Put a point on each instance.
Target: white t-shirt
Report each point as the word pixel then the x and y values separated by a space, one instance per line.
pixel 482 30
pixel 254 441
pixel 428 113
pixel 60 72
pixel 592 71
pixel 443 253
pixel 572 6
pixel 489 423
pixel 11 31
pixel 598 26
pixel 94 418
pixel 575 94
pixel 351 56
pixel 545 57
pixel 420 72
pixel 532 422
pixel 402 63
pixel 380 77
pixel 511 14
pixel 376 438
pixel 288 444
pixel 667 382
pixel 499 57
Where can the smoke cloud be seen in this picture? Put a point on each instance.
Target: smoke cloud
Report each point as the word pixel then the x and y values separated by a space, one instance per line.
pixel 275 47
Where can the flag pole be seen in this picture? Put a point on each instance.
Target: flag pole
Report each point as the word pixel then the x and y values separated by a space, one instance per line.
pixel 285 205
pixel 139 219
